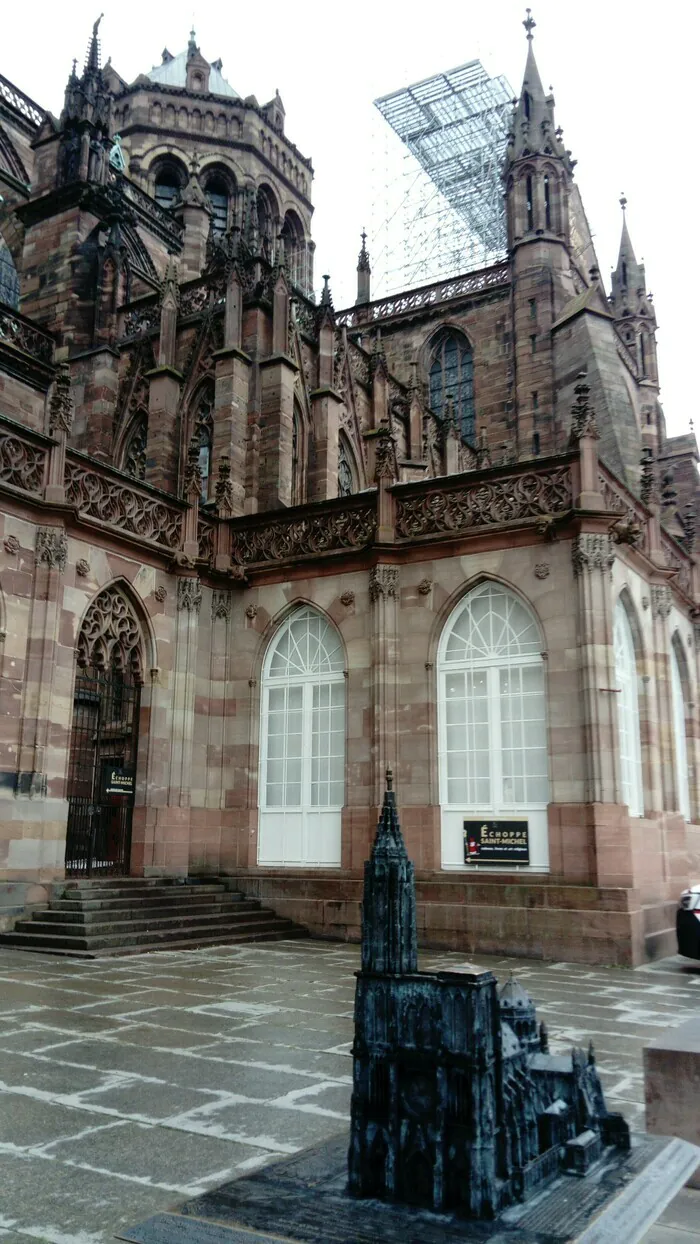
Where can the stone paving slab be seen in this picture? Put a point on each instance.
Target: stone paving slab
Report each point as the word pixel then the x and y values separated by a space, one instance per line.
pixel 111 1107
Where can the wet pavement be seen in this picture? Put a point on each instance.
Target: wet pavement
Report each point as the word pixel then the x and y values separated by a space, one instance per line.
pixel 129 1085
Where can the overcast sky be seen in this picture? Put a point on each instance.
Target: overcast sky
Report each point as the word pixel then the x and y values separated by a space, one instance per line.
pixel 622 75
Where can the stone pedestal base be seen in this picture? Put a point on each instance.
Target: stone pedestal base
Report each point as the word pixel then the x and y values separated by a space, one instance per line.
pixel 672 1085
pixel 302 1200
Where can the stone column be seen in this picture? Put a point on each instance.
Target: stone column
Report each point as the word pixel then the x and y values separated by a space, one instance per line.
pixel 277 375
pixel 232 389
pixel 606 818
pixel 44 732
pixel 384 597
pixel 322 479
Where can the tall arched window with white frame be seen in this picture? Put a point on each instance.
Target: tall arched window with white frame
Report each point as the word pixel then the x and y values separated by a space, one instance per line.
pixel 680 745
pixel 632 788
pixel 492 729
pixel 302 744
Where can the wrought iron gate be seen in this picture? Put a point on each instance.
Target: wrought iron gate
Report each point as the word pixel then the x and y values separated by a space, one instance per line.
pixel 102 772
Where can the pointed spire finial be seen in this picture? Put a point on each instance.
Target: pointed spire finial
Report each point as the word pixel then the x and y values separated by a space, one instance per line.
pixel 389 778
pixel 529 24
pixel 192 48
pixel 92 60
pixel 623 201
pixel 326 300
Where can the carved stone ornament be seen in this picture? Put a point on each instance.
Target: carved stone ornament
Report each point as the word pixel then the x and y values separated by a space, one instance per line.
pixel 110 636
pixel 645 603
pixel 251 612
pixel 383 582
pixel 221 605
pixel 425 587
pixel 82 568
pixel 627 530
pixel 11 544
pixel 542 570
pixel 61 404
pixel 189 595
pixel 661 601
pixel 160 594
pixel 348 598
pixel 52 547
pixel 592 551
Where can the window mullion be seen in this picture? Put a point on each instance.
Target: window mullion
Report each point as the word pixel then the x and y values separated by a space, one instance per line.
pixel 495 737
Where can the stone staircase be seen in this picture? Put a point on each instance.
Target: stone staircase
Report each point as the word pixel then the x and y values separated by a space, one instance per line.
pixel 130 916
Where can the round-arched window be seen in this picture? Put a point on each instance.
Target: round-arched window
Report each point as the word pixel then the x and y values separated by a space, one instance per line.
pixel 169 183
pixel 628 712
pixel 302 763
pixel 492 721
pixel 217 196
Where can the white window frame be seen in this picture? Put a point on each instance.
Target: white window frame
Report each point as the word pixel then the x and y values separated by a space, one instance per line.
pixel 628 718
pixel 680 742
pixel 303 834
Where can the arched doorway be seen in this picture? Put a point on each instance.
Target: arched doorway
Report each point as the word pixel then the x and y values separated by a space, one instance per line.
pixel 492 726
pixel 104 738
pixel 302 754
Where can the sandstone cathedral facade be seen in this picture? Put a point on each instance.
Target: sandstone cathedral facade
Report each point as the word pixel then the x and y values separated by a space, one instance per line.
pixel 254 549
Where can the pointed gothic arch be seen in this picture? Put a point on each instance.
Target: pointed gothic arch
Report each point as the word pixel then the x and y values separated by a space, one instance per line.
pixel 110 635
pixel 450 367
pixel 348 472
pixel 132 450
pixel 200 431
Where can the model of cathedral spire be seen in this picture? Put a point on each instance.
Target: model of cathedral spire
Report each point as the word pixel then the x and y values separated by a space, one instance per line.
pixel 389 936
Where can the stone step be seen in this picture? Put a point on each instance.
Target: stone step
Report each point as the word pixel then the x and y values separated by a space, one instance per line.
pixel 116 928
pixel 221 939
pixel 120 909
pixel 247 930
pixel 127 915
pixel 100 892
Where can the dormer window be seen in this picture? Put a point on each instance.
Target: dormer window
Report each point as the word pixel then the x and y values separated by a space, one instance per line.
pixel 197 82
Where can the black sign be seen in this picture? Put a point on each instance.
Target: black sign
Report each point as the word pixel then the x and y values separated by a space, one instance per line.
pixel 496 842
pixel 116 780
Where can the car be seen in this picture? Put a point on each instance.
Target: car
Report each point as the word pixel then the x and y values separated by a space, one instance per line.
pixel 688 923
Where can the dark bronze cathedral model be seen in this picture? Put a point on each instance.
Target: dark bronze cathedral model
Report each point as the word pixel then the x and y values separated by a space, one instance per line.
pixel 457 1104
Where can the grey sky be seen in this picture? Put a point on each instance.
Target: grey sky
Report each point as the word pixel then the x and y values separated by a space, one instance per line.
pixel 622 76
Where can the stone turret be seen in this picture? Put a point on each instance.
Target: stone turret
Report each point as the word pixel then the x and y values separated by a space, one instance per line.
pixel 389 935
pixel 633 308
pixel 364 273
pixel 83 153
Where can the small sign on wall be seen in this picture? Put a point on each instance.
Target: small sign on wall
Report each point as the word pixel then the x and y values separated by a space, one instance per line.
pixel 116 780
pixel 496 842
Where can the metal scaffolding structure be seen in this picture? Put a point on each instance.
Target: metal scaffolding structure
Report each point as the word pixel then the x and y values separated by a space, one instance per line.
pixel 438 206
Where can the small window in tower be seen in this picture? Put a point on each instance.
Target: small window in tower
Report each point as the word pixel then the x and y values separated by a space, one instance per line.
pixel 530 210
pixel 642 355
pixel 624 274
pixel 535 444
pixel 533 308
pixel 547 203
pixel 533 343
pixel 535 400
pixel 526 104
pixel 216 194
pixel 649 417
pixel 167 188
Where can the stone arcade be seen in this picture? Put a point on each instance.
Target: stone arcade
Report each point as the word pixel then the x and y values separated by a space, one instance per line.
pixel 274 547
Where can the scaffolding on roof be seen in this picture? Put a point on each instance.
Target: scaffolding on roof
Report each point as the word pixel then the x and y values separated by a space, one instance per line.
pixel 438 204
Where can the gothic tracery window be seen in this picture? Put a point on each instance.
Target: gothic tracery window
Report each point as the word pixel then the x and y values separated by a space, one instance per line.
pixel 9 281
pixel 346 482
pixel 135 451
pixel 452 376
pixel 203 432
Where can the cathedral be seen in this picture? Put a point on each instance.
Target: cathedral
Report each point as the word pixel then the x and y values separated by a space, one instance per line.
pixel 254 549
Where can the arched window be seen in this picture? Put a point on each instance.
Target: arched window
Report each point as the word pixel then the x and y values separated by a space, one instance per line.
pixel 134 456
pixel 547 202
pixel 452 376
pixel 628 712
pixel 9 280
pixel 346 476
pixel 492 721
pixel 170 180
pixel 642 355
pixel 217 195
pixel 302 763
pixel 526 104
pixel 680 747
pixel 530 202
pixel 295 249
pixel 202 435
pixel 624 274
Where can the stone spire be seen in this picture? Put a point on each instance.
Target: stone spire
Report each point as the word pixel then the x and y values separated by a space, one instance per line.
pixel 632 306
pixel 363 273
pixel 533 130
pixel 92 59
pixel 389 933
pixel 628 279
pixel 85 137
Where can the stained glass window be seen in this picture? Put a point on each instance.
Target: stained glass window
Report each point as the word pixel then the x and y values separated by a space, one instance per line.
pixel 452 376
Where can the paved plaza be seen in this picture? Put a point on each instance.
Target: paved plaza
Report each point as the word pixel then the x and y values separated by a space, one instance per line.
pixel 129 1085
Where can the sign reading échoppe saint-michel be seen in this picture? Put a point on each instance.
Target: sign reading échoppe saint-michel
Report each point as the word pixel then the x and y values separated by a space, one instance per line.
pixel 116 780
pixel 496 842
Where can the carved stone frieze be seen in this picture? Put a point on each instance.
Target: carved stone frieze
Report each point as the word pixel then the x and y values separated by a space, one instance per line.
pixel 52 547
pixel 110 636
pixel 21 464
pixel 383 582
pixel 280 539
pixel 120 505
pixel 221 605
pixel 484 503
pixel 189 595
pixel 661 600
pixel 592 551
